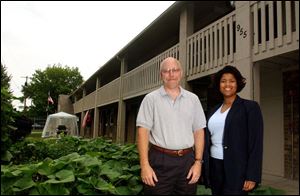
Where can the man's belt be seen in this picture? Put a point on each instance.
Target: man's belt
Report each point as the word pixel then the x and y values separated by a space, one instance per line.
pixel 178 153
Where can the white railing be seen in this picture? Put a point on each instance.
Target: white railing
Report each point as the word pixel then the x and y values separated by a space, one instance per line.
pixel 89 101
pixel 108 93
pixel 275 28
pixel 86 103
pixel 146 77
pixel 211 47
pixel 78 106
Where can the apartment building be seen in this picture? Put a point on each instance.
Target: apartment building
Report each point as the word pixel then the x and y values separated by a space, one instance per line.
pixel 260 38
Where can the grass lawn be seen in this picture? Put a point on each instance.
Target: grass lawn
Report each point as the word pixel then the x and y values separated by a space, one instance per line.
pixel 35 134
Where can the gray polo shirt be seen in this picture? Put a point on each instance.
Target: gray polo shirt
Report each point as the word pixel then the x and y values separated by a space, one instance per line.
pixel 171 123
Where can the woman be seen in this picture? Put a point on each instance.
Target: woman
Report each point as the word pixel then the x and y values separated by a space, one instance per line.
pixel 234 138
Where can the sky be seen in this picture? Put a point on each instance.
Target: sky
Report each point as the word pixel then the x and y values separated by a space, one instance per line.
pixel 83 34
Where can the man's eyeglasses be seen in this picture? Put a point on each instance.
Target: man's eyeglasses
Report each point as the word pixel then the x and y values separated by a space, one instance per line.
pixel 166 71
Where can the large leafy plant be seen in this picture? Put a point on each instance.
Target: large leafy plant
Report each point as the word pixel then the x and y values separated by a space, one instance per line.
pixel 96 166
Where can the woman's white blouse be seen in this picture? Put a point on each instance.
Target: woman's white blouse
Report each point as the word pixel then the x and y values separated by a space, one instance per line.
pixel 216 125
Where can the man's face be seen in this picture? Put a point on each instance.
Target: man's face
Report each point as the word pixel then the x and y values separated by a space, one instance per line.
pixel 171 74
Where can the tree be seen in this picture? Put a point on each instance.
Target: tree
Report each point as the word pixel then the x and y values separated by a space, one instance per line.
pixel 5 79
pixel 7 114
pixel 55 80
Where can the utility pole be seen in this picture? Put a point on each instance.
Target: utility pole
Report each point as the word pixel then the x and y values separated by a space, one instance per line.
pixel 24 93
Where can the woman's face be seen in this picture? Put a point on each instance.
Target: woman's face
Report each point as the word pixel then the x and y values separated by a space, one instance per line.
pixel 228 85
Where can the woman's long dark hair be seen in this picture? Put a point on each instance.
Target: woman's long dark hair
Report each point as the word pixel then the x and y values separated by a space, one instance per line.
pixel 241 81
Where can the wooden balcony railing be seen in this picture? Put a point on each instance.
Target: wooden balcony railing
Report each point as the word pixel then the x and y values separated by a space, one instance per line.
pixel 211 47
pixel 275 28
pixel 109 93
pixel 78 106
pixel 146 77
pixel 89 101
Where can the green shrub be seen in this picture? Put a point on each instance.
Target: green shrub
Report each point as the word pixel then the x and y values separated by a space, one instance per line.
pixel 7 121
pixel 101 167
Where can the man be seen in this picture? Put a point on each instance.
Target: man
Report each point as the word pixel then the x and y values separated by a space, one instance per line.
pixel 172 120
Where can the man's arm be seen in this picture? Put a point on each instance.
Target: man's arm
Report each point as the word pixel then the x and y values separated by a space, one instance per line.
pixel 195 170
pixel 199 144
pixel 143 145
pixel 147 173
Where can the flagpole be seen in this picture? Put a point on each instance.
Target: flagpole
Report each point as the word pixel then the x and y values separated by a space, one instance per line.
pixel 47 107
pixel 48 103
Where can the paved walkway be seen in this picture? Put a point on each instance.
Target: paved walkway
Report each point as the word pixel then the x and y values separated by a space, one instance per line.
pixel 291 187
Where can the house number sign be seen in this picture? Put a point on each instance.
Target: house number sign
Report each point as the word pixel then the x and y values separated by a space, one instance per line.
pixel 241 31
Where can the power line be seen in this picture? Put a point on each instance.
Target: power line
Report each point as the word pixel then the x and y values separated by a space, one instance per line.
pixel 15 84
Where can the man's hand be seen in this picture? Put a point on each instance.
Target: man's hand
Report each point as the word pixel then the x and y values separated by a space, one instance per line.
pixel 148 175
pixel 194 172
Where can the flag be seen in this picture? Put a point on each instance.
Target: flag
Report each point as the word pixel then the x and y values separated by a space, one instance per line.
pixel 50 98
pixel 84 119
